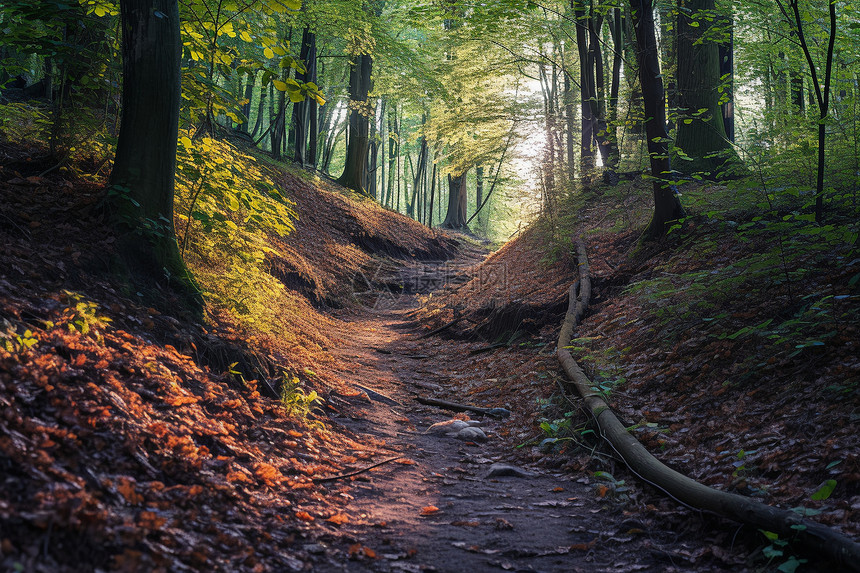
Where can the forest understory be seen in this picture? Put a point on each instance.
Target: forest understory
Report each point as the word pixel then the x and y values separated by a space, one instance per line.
pixel 135 436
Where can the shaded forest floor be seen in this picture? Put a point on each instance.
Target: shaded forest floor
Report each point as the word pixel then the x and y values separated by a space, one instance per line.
pixel 133 437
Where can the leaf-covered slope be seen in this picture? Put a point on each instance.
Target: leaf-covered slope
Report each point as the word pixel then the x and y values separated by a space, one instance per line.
pixel 124 442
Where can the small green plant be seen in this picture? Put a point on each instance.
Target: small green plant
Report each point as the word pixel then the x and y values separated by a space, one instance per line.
pixel 82 317
pixel 611 487
pixel 13 342
pixel 777 548
pixel 775 551
pixel 294 398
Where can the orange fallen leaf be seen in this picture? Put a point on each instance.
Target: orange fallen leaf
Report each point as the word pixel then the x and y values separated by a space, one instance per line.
pixel 304 516
pixel 602 490
pixel 558 489
pixel 126 488
pixel 150 520
pixel 429 510
pixel 338 519
pixel 406 462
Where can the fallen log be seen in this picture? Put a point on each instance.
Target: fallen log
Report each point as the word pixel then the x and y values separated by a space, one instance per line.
pixel 786 523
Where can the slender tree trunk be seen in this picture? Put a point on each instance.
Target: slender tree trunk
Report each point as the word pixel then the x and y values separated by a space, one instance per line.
pixel 617 33
pixel 479 189
pixel 145 163
pixel 727 70
pixel 585 86
pixel 302 109
pixel 667 207
pixel 569 113
pixel 246 107
pixel 383 140
pixel 432 193
pixel 372 159
pixel 392 155
pixel 258 121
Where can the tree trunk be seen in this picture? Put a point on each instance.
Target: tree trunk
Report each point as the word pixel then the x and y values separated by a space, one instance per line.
pixel 727 70
pixel 569 121
pixel 701 135
pixel 457 198
pixel 479 189
pixel 372 161
pixel 667 207
pixel 302 109
pixel 258 121
pixel 246 107
pixel 359 124
pixel 142 180
pixel 432 193
pixel 392 155
pixel 585 85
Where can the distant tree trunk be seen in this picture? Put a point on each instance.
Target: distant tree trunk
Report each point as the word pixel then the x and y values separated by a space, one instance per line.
pixel 701 134
pixel 667 207
pixel 301 109
pixel 246 107
pixel 145 163
pixel 798 93
pixel 432 193
pixel 372 160
pixel 605 141
pixel 727 70
pixel 822 96
pixel 586 85
pixel 383 139
pixel 278 127
pixel 616 30
pixel 418 176
pixel 479 189
pixel 258 122
pixel 393 152
pixel 569 119
pixel 457 203
pixel 359 125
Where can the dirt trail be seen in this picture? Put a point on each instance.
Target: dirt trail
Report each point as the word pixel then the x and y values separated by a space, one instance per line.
pixel 539 521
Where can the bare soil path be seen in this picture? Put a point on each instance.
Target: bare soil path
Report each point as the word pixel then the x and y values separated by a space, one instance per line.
pixel 440 508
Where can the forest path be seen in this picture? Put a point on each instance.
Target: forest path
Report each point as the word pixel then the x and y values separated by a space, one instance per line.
pixel 439 508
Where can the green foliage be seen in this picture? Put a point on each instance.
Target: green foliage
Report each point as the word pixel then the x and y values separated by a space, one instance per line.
pixel 82 316
pixel 14 342
pixel 20 122
pixel 296 401
pixel 227 207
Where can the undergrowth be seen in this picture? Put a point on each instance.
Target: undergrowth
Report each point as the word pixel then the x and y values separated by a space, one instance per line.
pixel 226 208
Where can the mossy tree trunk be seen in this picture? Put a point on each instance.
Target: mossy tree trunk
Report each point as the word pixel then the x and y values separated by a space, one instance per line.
pixel 142 180
pixel 701 137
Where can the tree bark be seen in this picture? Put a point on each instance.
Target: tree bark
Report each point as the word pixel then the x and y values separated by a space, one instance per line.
pixel 457 203
pixel 585 86
pixel 359 124
pixel 246 107
pixel 667 207
pixel 701 133
pixel 142 180
pixel 301 109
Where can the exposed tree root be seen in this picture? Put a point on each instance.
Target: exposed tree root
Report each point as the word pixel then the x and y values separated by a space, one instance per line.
pixel 356 472
pixel 786 523
pixel 446 405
